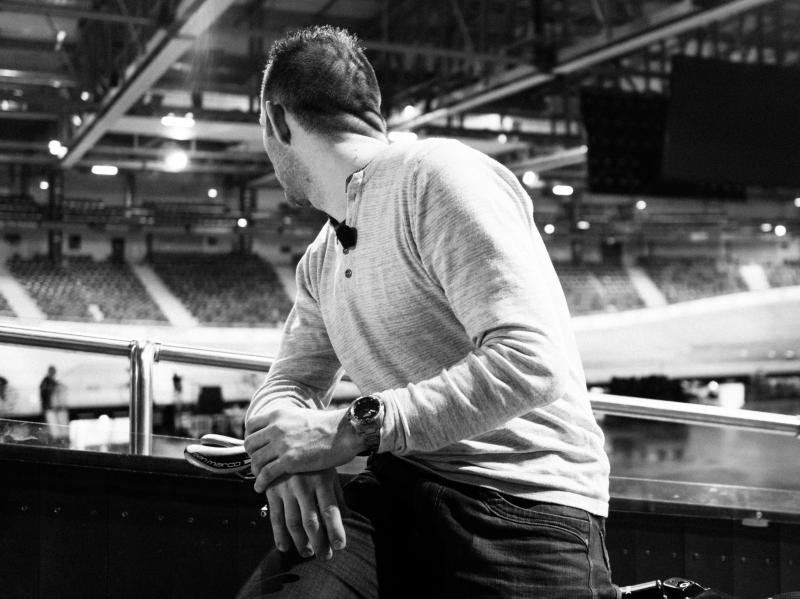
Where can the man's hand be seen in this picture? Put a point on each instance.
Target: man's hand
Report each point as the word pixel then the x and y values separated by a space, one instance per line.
pixel 289 440
pixel 304 512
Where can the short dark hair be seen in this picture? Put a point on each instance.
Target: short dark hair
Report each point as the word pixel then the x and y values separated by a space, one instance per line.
pixel 321 75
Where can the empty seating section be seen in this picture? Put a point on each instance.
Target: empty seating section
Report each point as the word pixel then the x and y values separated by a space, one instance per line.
pixel 581 289
pixel 182 214
pixel 617 288
pixel 5 309
pixel 684 279
pixel 19 208
pixel 225 289
pixel 84 210
pixel 81 289
pixel 784 274
pixel 597 288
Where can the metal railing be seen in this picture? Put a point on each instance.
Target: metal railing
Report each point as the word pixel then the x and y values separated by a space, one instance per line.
pixel 143 354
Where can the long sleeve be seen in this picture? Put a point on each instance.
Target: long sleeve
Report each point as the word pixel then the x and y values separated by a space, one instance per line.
pixel 306 368
pixel 474 232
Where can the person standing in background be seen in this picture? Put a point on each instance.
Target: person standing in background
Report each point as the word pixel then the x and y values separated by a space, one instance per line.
pixel 51 394
pixel 6 406
pixel 47 388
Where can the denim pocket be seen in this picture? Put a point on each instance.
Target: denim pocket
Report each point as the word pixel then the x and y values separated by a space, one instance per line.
pixel 572 521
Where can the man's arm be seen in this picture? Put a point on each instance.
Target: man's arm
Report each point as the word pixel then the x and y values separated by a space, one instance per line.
pixel 304 508
pixel 306 368
pixel 474 230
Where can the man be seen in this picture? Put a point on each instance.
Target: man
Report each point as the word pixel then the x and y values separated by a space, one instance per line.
pixel 47 388
pixel 432 288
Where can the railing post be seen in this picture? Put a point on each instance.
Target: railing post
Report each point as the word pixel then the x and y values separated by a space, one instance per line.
pixel 142 356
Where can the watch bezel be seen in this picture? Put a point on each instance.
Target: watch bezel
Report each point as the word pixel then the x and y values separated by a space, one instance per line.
pixel 367 425
pixel 366 409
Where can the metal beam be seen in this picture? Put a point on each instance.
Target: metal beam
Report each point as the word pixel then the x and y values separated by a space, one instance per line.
pixel 19 77
pixel 73 13
pixel 259 158
pixel 193 17
pixel 422 50
pixel 669 23
pixel 158 166
pixel 18 115
pixel 549 162
pixel 15 158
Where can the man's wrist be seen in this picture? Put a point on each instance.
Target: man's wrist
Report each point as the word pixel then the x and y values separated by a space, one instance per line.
pixel 366 415
pixel 347 438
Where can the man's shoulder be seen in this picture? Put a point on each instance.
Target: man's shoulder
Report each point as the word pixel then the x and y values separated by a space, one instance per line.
pixel 424 157
pixel 426 148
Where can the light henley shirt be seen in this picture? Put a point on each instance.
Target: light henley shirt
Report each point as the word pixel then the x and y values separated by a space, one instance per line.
pixel 449 309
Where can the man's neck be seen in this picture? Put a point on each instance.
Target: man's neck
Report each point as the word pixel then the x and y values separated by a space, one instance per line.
pixel 332 162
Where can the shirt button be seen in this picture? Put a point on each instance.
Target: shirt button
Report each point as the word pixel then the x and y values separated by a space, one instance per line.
pixel 348 273
pixel 346 251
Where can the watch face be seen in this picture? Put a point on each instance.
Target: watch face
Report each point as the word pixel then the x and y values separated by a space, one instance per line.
pixel 366 408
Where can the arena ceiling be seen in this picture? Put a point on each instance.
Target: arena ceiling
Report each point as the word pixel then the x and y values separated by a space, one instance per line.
pixel 100 76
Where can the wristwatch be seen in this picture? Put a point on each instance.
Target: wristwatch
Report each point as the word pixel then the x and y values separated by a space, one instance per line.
pixel 366 417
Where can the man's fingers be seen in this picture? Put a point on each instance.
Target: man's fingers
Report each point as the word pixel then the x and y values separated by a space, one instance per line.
pixel 268 474
pixel 313 526
pixel 283 541
pixel 331 516
pixel 261 457
pixel 294 524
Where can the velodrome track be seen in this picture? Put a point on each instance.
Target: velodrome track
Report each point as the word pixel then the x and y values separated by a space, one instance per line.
pixel 726 335
pixel 729 335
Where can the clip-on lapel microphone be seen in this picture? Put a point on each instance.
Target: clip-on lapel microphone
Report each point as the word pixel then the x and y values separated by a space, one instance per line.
pixel 347 236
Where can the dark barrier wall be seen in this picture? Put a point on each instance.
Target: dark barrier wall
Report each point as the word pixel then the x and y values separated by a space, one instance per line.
pixel 86 525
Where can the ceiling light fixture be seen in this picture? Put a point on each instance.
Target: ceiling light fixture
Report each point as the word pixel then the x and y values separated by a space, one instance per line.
pixel 178 122
pixel 532 180
pixel 108 170
pixel 410 111
pixel 563 190
pixel 176 160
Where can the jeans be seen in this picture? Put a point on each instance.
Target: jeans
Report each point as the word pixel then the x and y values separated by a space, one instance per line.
pixel 411 534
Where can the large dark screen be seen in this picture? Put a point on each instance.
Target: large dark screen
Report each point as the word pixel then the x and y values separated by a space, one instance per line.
pixel 732 123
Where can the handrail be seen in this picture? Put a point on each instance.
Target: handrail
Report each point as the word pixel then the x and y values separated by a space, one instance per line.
pixel 689 413
pixel 143 354
pixel 211 357
pixel 69 341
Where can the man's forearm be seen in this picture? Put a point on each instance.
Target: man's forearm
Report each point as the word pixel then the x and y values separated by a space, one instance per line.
pixel 510 375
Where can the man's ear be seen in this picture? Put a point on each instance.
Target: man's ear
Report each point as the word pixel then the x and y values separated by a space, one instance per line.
pixel 277 120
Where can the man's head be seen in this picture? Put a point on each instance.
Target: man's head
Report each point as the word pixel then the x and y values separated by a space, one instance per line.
pixel 321 76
